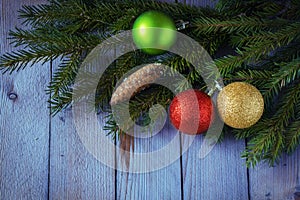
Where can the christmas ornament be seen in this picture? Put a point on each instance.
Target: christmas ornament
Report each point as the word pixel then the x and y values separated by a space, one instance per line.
pixel 115 20
pixel 161 38
pixel 185 113
pixel 240 105
pixel 135 82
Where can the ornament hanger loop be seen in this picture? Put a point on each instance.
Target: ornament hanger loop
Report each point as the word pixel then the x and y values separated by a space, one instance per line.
pixel 182 24
pixel 217 86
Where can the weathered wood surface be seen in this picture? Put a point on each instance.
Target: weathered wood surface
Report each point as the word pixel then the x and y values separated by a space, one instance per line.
pixel 164 183
pixel 24 121
pixel 44 158
pixel 220 175
pixel 279 182
pixel 74 172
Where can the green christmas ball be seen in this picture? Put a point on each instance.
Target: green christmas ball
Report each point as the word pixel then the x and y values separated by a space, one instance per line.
pixel 154 29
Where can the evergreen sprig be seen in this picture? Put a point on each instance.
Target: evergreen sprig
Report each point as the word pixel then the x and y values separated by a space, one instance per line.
pixel 263 37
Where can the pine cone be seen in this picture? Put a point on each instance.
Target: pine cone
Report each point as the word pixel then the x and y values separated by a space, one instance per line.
pixel 136 82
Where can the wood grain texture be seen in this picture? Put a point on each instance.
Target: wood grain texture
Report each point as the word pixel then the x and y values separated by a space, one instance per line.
pixel 203 3
pixel 281 182
pixel 164 183
pixel 24 121
pixel 220 175
pixel 74 172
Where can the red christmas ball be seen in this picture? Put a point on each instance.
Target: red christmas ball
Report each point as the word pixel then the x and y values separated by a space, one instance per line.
pixel 191 111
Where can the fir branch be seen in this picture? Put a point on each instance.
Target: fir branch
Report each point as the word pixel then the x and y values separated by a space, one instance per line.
pixel 283 36
pixel 61 101
pixel 46 43
pixel 21 58
pixel 33 13
pixel 258 78
pixel 257 146
pixel 114 73
pixel 243 24
pixel 252 76
pixel 65 75
pixel 284 54
pixel 286 108
pixel 267 141
pixel 292 136
pixel 68 13
pixel 53 36
pixel 99 14
pixel 139 107
pixel 287 73
pixel 259 48
pixel 294 11
pixel 111 126
pixel 263 8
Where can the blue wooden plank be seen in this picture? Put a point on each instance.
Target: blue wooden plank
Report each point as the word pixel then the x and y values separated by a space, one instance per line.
pixel 75 173
pixel 281 182
pixel 24 121
pixel 220 175
pixel 203 3
pixel 164 183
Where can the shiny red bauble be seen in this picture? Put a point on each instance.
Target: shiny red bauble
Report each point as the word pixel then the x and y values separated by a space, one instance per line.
pixel 191 111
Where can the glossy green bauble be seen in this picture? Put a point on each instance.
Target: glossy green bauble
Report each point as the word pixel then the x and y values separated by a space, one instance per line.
pixel 154 29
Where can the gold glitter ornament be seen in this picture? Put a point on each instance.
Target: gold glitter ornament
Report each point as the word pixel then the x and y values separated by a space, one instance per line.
pixel 240 105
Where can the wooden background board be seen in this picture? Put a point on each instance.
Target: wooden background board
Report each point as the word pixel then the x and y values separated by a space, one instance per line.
pixel 43 157
pixel 24 122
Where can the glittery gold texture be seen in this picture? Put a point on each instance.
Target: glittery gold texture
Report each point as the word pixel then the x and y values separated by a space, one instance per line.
pixel 240 105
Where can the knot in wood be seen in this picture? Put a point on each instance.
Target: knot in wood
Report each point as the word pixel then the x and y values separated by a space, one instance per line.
pixel 12 96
